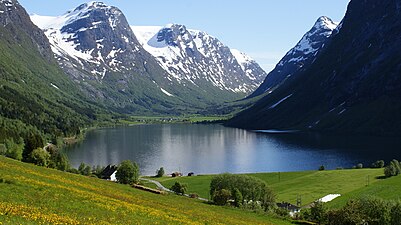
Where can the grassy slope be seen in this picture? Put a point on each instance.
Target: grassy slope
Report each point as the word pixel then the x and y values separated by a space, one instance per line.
pixel 388 189
pixel 311 185
pixel 38 195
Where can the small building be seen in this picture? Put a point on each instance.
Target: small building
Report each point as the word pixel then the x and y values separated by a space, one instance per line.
pixel 109 173
pixel 293 209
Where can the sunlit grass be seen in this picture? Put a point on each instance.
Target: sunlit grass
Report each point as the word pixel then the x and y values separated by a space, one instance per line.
pixel 35 195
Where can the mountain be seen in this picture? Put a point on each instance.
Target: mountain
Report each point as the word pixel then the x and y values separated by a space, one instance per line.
pixel 35 95
pixel 299 58
pixel 96 47
pixel 192 56
pixel 353 86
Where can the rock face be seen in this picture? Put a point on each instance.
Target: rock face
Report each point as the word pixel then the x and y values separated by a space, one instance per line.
pixel 97 48
pixel 353 86
pixel 192 56
pixel 13 17
pixel 35 95
pixel 299 58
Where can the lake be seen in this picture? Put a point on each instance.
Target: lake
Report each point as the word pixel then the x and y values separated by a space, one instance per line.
pixel 206 149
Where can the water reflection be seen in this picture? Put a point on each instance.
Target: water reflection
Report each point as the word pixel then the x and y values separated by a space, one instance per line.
pixel 217 149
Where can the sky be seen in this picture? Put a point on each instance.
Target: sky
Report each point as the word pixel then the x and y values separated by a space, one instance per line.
pixel 263 29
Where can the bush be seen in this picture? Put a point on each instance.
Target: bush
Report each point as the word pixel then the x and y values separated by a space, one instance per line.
pixel 321 168
pixel 238 199
pixel 128 172
pixel 14 149
pixel 252 189
pixel 366 210
pixel 359 166
pixel 59 161
pixel 318 213
pixel 378 164
pixel 392 169
pixel 179 188
pixel 32 142
pixel 160 172
pixel 84 169
pixel 221 197
pixel 40 157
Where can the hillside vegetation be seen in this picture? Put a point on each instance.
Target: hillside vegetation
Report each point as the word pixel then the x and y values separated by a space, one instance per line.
pixel 36 195
pixel 309 185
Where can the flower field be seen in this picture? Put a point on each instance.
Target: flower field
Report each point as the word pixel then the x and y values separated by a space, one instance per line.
pixel 36 195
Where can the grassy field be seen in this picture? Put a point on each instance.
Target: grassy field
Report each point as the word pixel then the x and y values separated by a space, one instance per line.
pixel 36 195
pixel 389 189
pixel 310 185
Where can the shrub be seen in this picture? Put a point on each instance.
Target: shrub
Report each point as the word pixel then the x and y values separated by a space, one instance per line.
pixel 32 142
pixel 127 172
pixel 59 161
pixel 221 197
pixel 321 168
pixel 359 166
pixel 14 149
pixel 84 169
pixel 179 188
pixel 378 164
pixel 392 169
pixel 40 157
pixel 160 172
pixel 252 189
pixel 318 212
pixel 237 198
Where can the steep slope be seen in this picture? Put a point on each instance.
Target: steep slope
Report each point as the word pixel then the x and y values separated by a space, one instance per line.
pixel 96 47
pixel 35 95
pixel 35 195
pixel 299 58
pixel 353 86
pixel 192 56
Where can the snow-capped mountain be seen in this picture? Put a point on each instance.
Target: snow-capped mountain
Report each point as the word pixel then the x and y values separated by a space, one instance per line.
pixel 96 47
pixel 94 37
pixel 353 85
pixel 301 56
pixel 195 56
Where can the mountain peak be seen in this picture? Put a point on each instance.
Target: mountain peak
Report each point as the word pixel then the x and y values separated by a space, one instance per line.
pixel 90 5
pixel 325 22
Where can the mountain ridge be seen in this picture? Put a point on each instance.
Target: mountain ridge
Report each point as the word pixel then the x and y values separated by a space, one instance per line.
pixel 353 86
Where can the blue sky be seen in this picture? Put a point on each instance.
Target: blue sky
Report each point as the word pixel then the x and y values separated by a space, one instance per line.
pixel 264 29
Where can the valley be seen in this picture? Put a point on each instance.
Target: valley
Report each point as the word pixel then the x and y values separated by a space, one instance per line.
pixel 91 94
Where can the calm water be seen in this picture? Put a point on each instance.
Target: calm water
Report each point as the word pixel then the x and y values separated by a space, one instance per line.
pixel 216 149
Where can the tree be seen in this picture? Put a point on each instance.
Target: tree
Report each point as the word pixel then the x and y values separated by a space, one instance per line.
pixel 179 188
pixel 321 168
pixel 237 197
pixel 40 157
pixel 359 166
pixel 60 161
pixel 84 169
pixel 160 172
pixel 392 169
pixel 32 142
pixel 127 172
pixel 14 149
pixel 221 197
pixel 318 212
pixel 252 189
pixel 378 164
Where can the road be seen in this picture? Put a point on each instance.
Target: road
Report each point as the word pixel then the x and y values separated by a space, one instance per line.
pixel 161 187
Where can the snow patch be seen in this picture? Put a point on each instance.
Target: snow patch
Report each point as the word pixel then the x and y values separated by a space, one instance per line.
pixel 166 92
pixel 279 102
pixel 53 85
